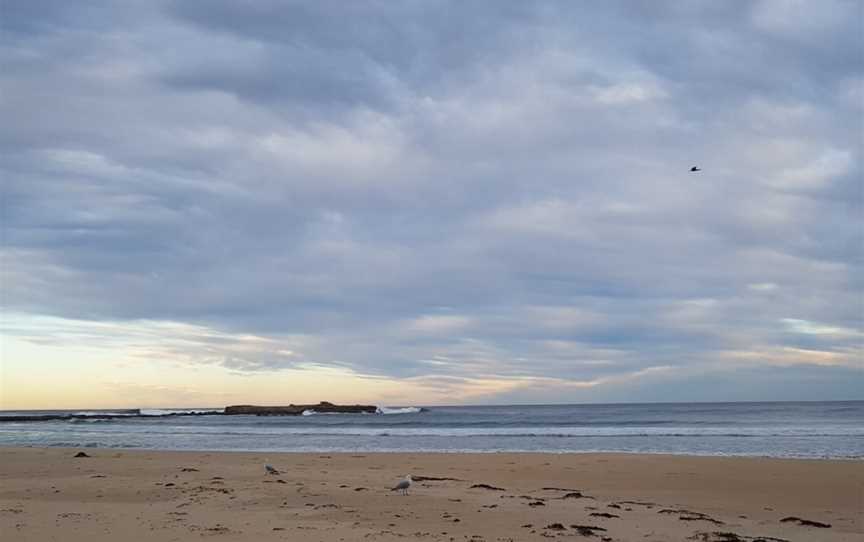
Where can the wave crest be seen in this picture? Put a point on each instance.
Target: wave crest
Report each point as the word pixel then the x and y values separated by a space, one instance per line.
pixel 400 410
pixel 169 412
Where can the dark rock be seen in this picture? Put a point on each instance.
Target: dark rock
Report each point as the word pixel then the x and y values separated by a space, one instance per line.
pixel 124 414
pixel 81 454
pixel 603 515
pixel 575 495
pixel 49 417
pixel 674 511
pixel 688 515
pixel 640 503
pixel 555 527
pixel 587 530
pixel 806 522
pixel 719 536
pixel 701 517
pixel 297 410
pixel 487 486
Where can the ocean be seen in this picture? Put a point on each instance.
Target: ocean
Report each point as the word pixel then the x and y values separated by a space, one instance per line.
pixel 789 429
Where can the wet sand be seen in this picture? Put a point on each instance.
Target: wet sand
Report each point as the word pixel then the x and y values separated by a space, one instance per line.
pixel 48 494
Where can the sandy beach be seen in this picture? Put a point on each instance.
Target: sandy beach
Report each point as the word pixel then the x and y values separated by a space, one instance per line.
pixel 48 494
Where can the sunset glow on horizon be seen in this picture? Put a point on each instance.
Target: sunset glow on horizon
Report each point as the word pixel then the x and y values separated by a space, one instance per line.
pixel 208 203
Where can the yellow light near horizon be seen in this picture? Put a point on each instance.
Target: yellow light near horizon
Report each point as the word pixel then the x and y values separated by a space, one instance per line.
pixel 56 363
pixel 45 377
pixel 38 376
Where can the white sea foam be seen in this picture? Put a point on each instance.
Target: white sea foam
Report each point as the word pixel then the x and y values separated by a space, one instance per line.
pixel 499 432
pixel 399 410
pixel 381 410
pixel 312 412
pixel 817 430
pixel 166 412
pixel 102 413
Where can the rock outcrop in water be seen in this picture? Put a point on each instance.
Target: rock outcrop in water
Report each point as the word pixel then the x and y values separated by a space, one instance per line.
pixel 297 410
pixel 131 413
pixel 290 410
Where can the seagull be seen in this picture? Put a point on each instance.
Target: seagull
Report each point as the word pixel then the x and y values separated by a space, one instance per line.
pixel 694 169
pixel 403 485
pixel 270 469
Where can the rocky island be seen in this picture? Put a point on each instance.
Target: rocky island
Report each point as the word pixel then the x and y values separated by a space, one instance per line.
pixel 290 410
pixel 297 410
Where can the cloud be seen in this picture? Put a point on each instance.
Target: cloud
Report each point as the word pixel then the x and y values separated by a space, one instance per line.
pixel 495 194
pixel 161 342
pixel 785 356
pixel 798 19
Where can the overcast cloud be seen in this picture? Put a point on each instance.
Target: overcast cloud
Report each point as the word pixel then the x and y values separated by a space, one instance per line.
pixel 445 191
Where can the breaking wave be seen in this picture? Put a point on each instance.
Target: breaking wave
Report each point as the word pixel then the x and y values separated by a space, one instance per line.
pixel 381 410
pixel 173 411
pixel 815 430
pixel 400 410
pixel 105 413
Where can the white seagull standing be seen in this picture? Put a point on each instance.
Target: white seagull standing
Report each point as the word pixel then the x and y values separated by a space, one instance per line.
pixel 403 485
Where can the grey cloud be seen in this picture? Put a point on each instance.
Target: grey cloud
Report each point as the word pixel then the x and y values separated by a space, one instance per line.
pixel 25 19
pixel 444 189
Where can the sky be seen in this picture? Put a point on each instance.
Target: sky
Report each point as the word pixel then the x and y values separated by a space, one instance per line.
pixel 430 202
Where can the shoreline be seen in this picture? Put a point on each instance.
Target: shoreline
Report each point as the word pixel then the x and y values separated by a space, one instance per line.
pixel 47 493
pixel 825 431
pixel 439 452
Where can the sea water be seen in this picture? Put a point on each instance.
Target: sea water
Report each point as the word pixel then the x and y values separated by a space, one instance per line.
pixel 791 429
